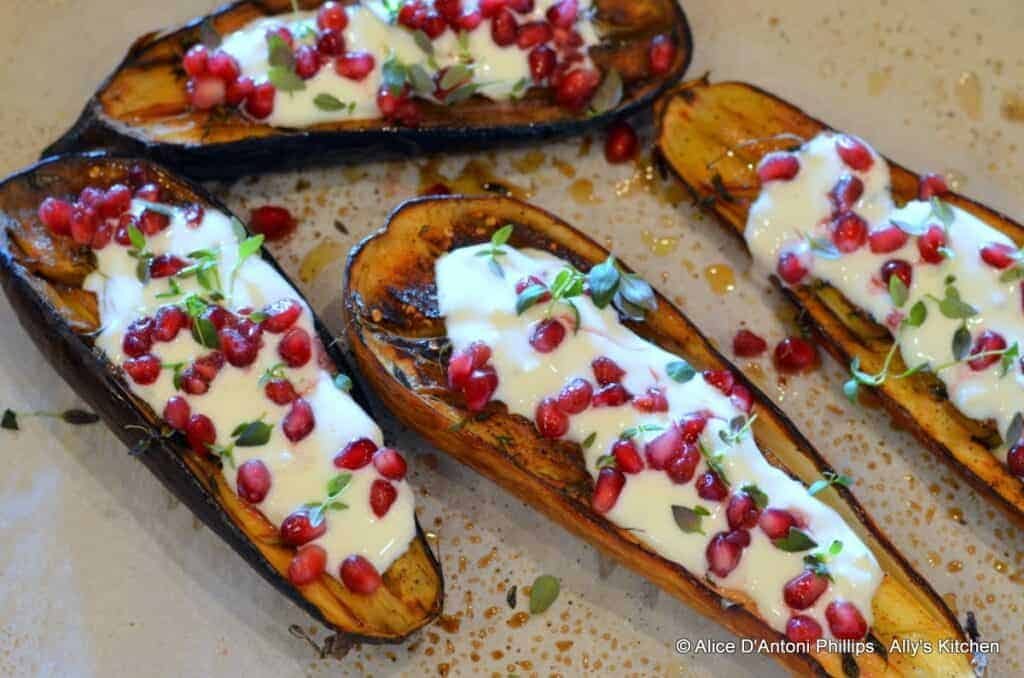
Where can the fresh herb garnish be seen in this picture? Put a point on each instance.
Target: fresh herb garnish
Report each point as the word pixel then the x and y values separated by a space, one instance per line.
pixel 680 371
pixel 74 417
pixel 246 249
pixel 817 562
pixel 714 462
pixel 543 593
pixel 335 487
pixel 589 440
pixel 329 102
pixel 739 427
pixel 689 519
pixel 755 493
pixel 628 292
pixel 498 238
pixel 606 461
pixel 797 540
pixel 634 431
pixel 828 479
pixel 140 251
pixel 285 80
pixel 1014 430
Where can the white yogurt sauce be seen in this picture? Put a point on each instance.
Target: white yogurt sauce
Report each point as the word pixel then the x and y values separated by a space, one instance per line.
pixel 300 471
pixel 786 209
pixel 480 306
pixel 497 69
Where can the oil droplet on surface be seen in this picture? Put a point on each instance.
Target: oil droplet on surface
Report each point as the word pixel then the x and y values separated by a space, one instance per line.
pixel 323 254
pixel 518 619
pixel 659 246
pixel 582 192
pixel 720 278
pixel 529 162
pixel 955 566
pixel 967 90
pixel 565 168
pixel 956 180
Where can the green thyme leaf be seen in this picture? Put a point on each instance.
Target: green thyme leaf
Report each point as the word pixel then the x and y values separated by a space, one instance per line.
pixel 337 484
pixel 755 493
pixel 918 314
pixel 589 440
pixel 898 291
pixel 606 461
pixel 797 540
pixel 285 79
pixel 328 102
pixel 543 593
pixel 961 342
pixel 689 519
pixel 529 298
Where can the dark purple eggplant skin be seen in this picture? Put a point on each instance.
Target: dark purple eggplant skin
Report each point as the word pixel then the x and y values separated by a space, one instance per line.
pixel 98 383
pixel 297 149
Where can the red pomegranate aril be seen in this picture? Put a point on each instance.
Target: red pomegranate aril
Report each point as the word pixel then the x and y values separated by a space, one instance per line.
pixel 280 391
pixel 331 17
pixel 359 575
pixel 576 88
pixel 116 200
pixel 746 344
pixel 900 268
pixel 620 143
pixel 791 268
pixel 739 537
pixel 627 459
pixel 138 175
pixel 711 487
pixel 680 468
pixel 490 8
pixel 803 590
pixel 299 422
pixel 209 365
pixel 504 28
pixel 223 66
pixel 854 153
pixel 272 222
pixel 999 255
pixel 742 398
pixel 200 433
pixel 389 463
pixel 469 21
pixel 356 454
pixel 612 395
pixel 693 425
pixel 803 629
pixel 653 400
pixel 239 90
pixel 103 235
pixel 1015 460
pixel 742 511
pixel 723 380
pixel 532 34
pixel 166 265
pixel 845 194
pixel 194 61
pixel 932 185
pixel 220 317
pixel 845 620
pixel 307 62
pixel 551 421
pixel 849 232
pixel 297 529
pixel 152 222
pixel 387 102
pixel 542 60
pixel 547 335
pixel 121 235
pixel 575 396
pixel 177 413
pixel 330 43
pixel 662 54
pixel 281 315
pixel 463 362
pixel 82 224
pixel 480 386
pixel 411 15
pixel 563 13
pixel 169 320
pixel 986 342
pixel 434 25
pixel 250 331
pixel 307 565
pixel 606 370
pixel 449 9
pixel 662 449
pixel 237 350
pixel 382 496
pixel 776 522
pixel 520 6
pixel 296 347
pixel 138 337
pixel 206 92
pixel 260 102
pixel 408 112
pixel 150 191
pixel 524 284
pixel 723 555
pixel 778 166
pixel 253 481
pixel 192 383
pixel 607 489
pixel 886 239
pixel 355 65
pixel 56 215
pixel 568 40
pixel 795 354
pixel 930 244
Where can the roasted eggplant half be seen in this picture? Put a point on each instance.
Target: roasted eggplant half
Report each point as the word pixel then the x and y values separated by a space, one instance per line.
pixel 399 340
pixel 143 106
pixel 712 136
pixel 43 277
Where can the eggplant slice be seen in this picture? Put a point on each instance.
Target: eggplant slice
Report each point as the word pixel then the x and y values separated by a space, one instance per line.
pixel 142 107
pixel 711 136
pixel 399 342
pixel 42 277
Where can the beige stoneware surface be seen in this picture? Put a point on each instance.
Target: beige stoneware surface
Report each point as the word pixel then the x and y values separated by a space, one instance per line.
pixel 103 574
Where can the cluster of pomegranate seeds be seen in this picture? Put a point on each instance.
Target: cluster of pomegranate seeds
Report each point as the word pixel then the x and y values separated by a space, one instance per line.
pixel 746 344
pixel 795 354
pixel 621 142
pixel 469 373
pixel 98 216
pixel 214 79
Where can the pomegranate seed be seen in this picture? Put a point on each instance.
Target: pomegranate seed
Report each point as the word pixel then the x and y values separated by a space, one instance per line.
pixel 723 555
pixel 550 420
pixel 845 194
pixel 723 380
pixel 387 102
pixel 220 317
pixel 307 565
pixel 986 341
pixel 330 43
pixel 463 362
pixel 272 222
pixel 563 13
pixel 121 234
pixel 900 268
pixel 239 90
pixel 795 354
pixel 504 28
pixel 607 489
pixel 680 468
pixel 568 38
pixel 999 255
pixel 612 395
pixel 803 590
pixel 434 25
pixel 116 200
pixel 150 191
pixel 791 268
pixel 480 386
pixel 408 113
pixel 854 152
pixel 662 449
pixel 177 412
pixel 208 366
pixel 778 166
pixel 621 143
pixel 389 463
pixel 166 265
pixel 653 400
pixel 355 65
pixel 746 344
pixel 742 398
pixel 169 320
pixel 138 175
pixel 331 17
pixel 138 337
pixel 194 61
pixel 886 239
pixel 849 232
pixel 238 350
pixel 281 315
pixel 297 529
pixel 449 9
pixel 845 620
pixel 359 575
pixel 280 391
pixel 299 421
pixel 296 347
pixel 520 6
pixel 693 425
pixel 382 496
pixel 1015 460
pixel 547 335
pixel 662 54
pixel 776 522
pixel 803 629
pixel 490 8
pixel 101 238
pixel 742 511
pixel 542 61
pixel 307 62
pixel 223 66
pixel 575 396
pixel 932 185
pixel 411 15
pixel 356 454
pixel 251 331
pixel 83 224
pixel 606 370
pixel 56 215
pixel 739 537
pixel 206 92
pixel 260 102
pixel 929 245
pixel 469 21
pixel 576 88
pixel 627 459
pixel 200 433
pixel 152 222
pixel 525 283
pixel 192 383
pixel 711 487
pixel 533 34
pixel 253 481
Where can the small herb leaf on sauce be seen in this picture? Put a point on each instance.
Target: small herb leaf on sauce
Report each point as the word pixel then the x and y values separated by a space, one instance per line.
pixel 689 519
pixel 543 593
pixel 680 371
pixel 797 540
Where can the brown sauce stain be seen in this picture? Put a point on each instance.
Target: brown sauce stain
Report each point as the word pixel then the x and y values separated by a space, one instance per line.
pixel 967 92
pixel 449 622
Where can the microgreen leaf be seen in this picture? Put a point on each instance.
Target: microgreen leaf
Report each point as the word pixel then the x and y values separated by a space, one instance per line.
pixel 961 342
pixel 252 434
pixel 603 281
pixel 543 593
pixel 634 431
pixel 908 228
pixel 918 314
pixel 797 540
pixel 328 102
pixel 1009 359
pixel 455 75
pixel 393 74
pixel 529 298
pixel 337 484
pixel 606 461
pixel 829 478
pixel 589 440
pixel 680 371
pixel 823 247
pixel 343 382
pixel 942 211
pixel 279 54
pixel 1014 430
pixel 689 519
pixel 637 291
pixel 738 428
pixel 205 332
pixel 285 79
pixel 755 493
pixel 420 79
pixel 423 41
pixel 898 291
pixel 714 462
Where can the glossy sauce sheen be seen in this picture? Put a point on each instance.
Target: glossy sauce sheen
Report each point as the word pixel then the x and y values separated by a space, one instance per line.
pixel 478 305
pixel 300 471
pixel 497 68
pixel 786 209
